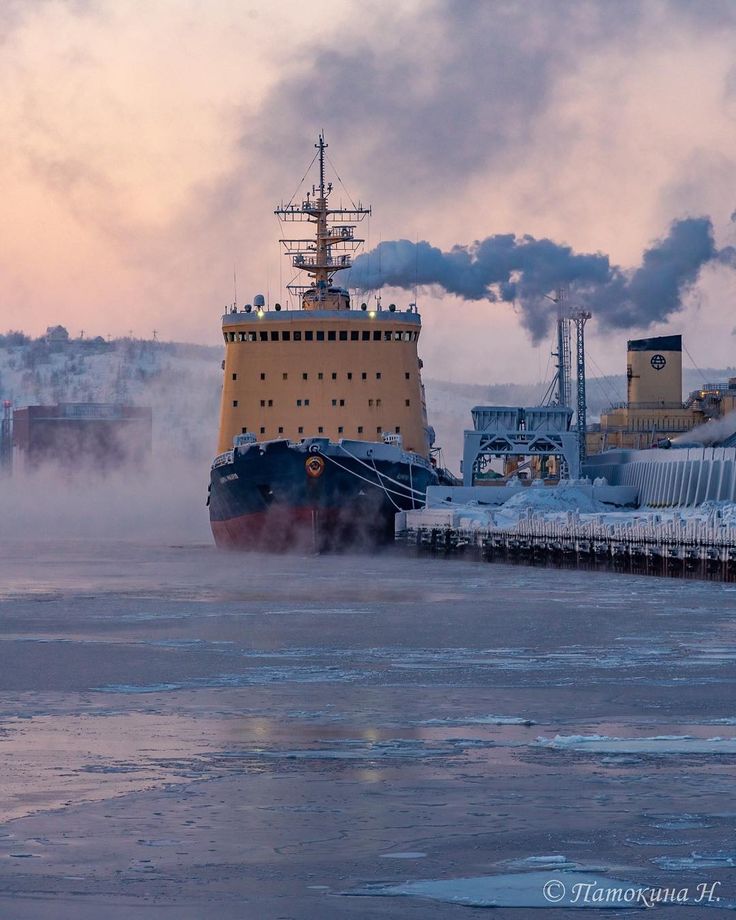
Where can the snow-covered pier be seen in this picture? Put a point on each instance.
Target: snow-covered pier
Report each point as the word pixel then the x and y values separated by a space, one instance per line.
pixel 673 544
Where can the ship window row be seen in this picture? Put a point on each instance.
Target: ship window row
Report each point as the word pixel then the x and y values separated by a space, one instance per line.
pixel 321 430
pixel 320 335
pixel 333 376
pixel 268 403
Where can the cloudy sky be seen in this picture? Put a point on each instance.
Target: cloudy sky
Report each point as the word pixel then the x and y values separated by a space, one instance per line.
pixel 146 144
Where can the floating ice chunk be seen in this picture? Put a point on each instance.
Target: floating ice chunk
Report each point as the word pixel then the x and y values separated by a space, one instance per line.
pixel 696 861
pixel 137 688
pixel 409 854
pixel 537 862
pixel 659 744
pixel 544 860
pixel 552 888
pixel 478 720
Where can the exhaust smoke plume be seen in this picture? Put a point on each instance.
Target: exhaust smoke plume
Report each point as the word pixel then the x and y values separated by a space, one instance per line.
pixel 523 269
pixel 710 434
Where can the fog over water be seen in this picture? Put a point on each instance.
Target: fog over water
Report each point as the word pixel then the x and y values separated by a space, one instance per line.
pixel 163 500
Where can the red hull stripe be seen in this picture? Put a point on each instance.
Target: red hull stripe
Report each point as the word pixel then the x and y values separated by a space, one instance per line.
pixel 281 528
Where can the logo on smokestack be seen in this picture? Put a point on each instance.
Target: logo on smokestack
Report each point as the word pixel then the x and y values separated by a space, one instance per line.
pixel 658 362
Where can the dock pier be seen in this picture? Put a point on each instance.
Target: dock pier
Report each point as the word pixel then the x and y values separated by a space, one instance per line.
pixel 672 548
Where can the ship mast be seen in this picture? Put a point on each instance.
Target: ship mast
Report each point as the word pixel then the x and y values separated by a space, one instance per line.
pixel 332 247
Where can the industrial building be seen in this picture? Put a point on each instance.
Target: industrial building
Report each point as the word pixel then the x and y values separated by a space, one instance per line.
pixel 654 408
pixel 100 435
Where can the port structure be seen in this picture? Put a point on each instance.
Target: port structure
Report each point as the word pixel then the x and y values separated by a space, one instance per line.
pixel 560 390
pixel 333 246
pixel 6 438
pixel 513 431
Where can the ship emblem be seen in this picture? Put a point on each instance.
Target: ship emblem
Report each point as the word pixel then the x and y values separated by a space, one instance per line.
pixel 315 466
pixel 658 362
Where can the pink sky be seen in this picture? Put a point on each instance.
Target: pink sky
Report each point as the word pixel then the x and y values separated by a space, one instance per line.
pixel 145 146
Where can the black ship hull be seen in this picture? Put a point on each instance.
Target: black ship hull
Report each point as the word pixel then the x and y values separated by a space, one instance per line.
pixel 314 495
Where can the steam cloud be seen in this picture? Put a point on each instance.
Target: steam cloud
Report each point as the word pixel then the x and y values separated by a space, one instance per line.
pixel 714 432
pixel 523 270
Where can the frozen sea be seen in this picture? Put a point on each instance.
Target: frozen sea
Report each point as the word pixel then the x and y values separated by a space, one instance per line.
pixel 190 734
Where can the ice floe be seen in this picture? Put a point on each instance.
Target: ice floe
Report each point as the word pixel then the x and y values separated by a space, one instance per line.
pixel 553 888
pixel 660 744
pixel 696 861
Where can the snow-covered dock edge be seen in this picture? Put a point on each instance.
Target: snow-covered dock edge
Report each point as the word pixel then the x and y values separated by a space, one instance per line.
pixel 673 546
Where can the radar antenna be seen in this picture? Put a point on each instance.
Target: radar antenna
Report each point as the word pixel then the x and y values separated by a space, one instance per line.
pixel 333 245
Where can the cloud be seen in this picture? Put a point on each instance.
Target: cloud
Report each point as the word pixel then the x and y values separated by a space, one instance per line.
pixel 16 13
pixel 433 94
pixel 526 271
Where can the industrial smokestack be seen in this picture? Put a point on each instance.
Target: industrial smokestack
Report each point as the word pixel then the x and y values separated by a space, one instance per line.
pixel 654 372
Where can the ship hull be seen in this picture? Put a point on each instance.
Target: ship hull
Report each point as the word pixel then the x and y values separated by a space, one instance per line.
pixel 313 496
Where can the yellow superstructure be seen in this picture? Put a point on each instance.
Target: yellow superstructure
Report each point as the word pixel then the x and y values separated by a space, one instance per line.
pixel 332 373
pixel 324 370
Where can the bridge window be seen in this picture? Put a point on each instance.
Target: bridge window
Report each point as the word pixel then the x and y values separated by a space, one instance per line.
pixel 354 335
pixel 343 335
pixel 366 335
pixel 285 336
pixel 264 335
pixel 331 335
pixel 377 335
pixel 251 336
pixel 297 336
pixel 320 335
pixel 274 336
pixel 387 336
pixel 308 335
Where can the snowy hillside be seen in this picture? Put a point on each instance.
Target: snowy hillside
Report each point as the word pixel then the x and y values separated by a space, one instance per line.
pixel 180 382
